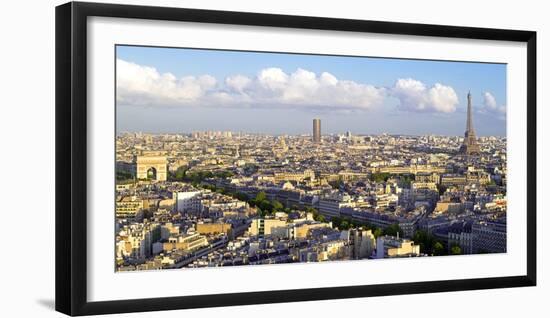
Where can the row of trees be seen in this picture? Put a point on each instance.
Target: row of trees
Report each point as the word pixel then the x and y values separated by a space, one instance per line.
pixel 261 202
pixel 432 246
pixel 122 175
pixel 196 177
pixel 405 179
pixel 380 176
pixel 266 206
pixel 346 224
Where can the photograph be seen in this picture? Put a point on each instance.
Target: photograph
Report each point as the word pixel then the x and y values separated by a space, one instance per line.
pixel 260 159
pixel 233 158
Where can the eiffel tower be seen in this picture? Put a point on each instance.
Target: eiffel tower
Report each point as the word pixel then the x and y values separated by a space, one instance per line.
pixel 469 147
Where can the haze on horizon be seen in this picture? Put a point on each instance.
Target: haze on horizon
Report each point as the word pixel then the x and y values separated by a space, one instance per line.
pixel 166 90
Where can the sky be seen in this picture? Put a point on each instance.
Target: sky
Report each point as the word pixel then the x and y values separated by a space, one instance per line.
pixel 180 90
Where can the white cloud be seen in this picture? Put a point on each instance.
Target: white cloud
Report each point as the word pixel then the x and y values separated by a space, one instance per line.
pixel 489 101
pixel 490 106
pixel 143 85
pixel 414 95
pixel 328 79
pixel 273 79
pixel 237 83
pixel 272 87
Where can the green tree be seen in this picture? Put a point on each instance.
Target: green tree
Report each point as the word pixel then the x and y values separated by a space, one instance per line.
pixel 438 249
pixel 196 177
pixel 336 221
pixel 278 206
pixel 425 241
pixel 320 218
pixel 344 225
pixel 123 175
pixel 261 196
pixel 223 174
pixel 379 176
pixel 266 206
pixel 180 173
pixel 393 230
pixel 377 232
pixel 240 196
pixel 456 250
pixel 308 210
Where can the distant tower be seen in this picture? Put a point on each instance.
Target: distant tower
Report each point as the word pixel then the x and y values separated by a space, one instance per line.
pixel 470 146
pixel 317 130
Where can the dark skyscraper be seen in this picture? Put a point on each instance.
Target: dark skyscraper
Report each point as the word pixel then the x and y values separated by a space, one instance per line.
pixel 470 146
pixel 316 130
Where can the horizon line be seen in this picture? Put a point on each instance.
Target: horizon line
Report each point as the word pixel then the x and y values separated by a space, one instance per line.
pixel 301 134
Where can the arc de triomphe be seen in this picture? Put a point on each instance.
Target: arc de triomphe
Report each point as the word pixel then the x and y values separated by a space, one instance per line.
pixel 151 167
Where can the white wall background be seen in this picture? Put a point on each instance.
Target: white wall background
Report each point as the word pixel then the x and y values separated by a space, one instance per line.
pixel 27 157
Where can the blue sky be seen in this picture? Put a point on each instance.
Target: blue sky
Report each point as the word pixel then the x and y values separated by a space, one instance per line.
pixel 181 90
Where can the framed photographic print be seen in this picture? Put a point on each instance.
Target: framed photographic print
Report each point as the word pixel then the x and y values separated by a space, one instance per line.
pixel 210 158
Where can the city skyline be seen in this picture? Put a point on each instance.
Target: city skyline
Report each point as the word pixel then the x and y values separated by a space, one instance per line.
pixel 208 184
pixel 317 132
pixel 163 90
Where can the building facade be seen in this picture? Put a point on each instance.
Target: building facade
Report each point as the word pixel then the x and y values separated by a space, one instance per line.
pixel 489 237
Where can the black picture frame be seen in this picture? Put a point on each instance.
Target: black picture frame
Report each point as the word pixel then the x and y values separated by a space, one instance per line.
pixel 71 157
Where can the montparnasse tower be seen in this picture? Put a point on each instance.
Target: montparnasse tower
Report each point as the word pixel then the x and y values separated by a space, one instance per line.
pixel 469 146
